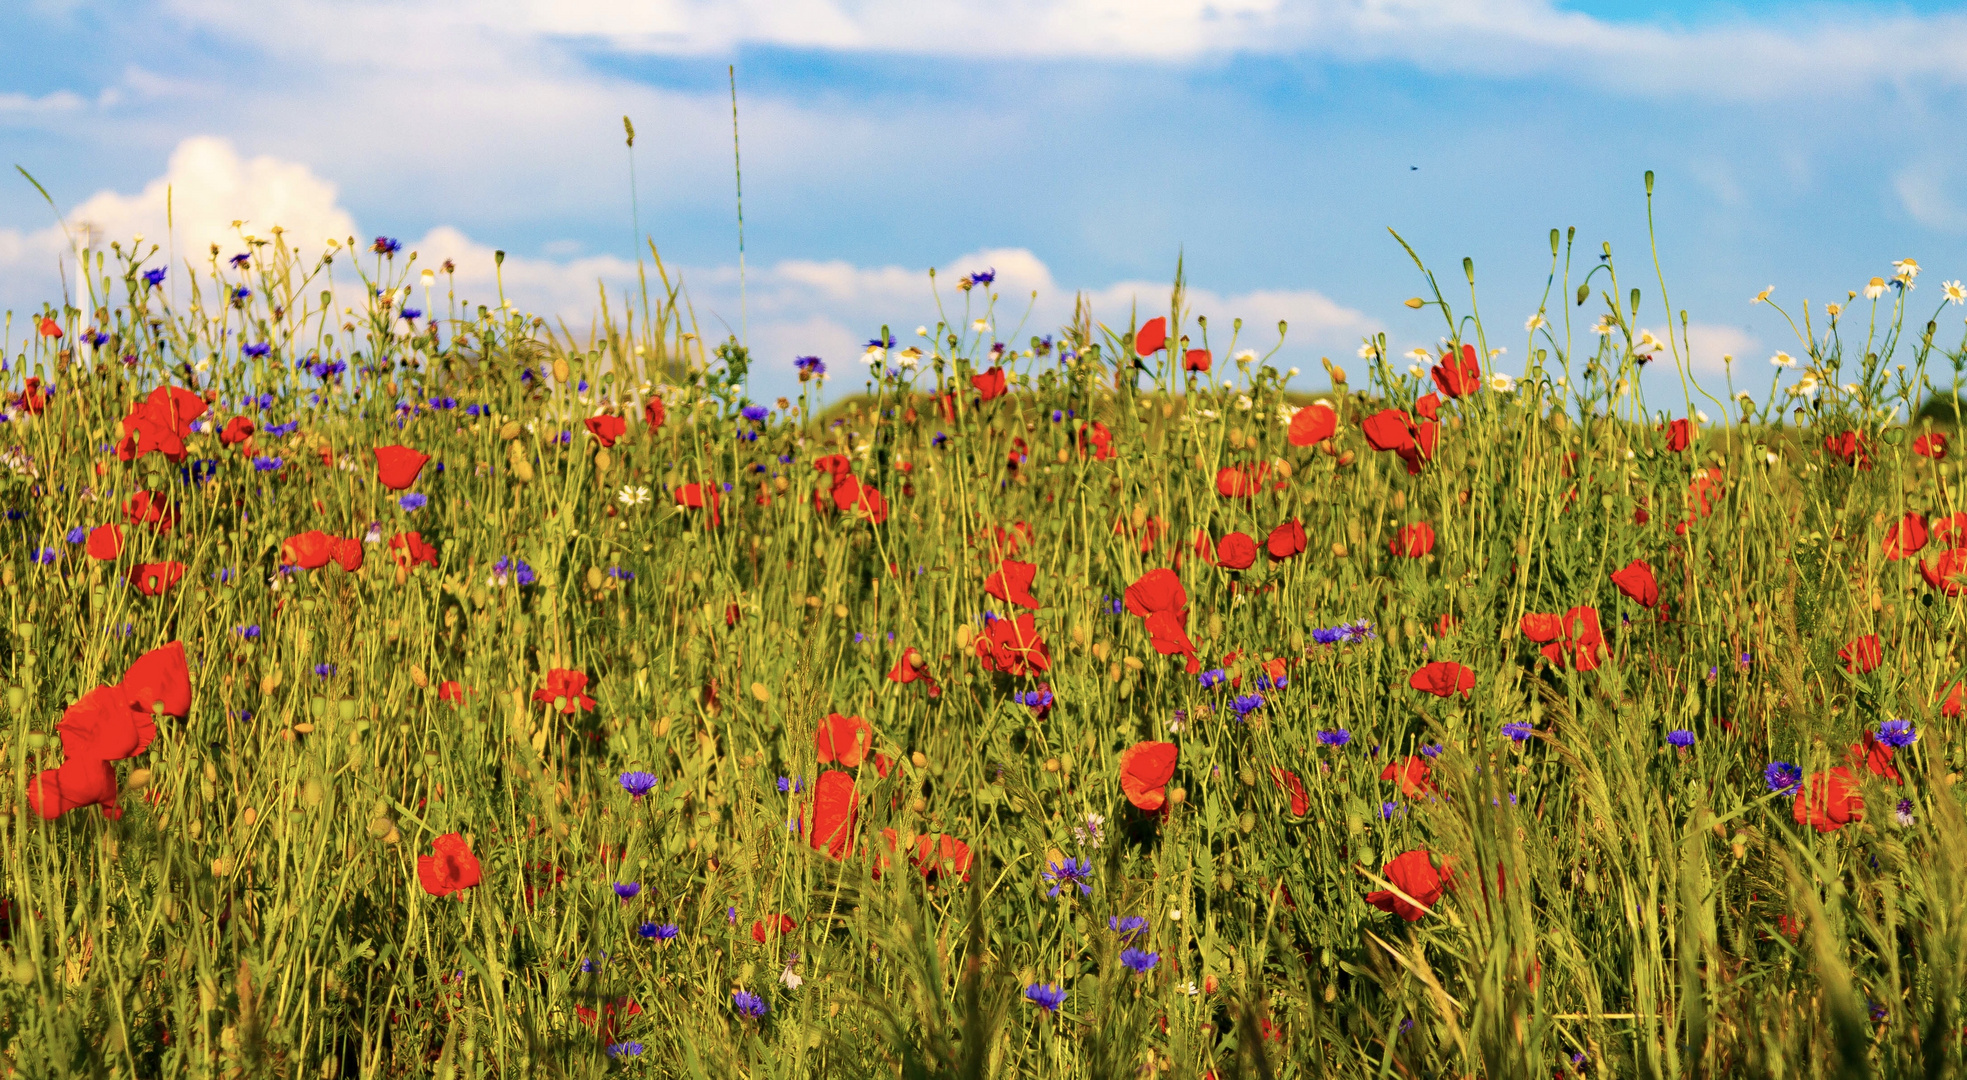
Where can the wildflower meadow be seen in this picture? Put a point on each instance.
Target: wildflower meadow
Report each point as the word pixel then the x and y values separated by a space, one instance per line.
pixel 399 684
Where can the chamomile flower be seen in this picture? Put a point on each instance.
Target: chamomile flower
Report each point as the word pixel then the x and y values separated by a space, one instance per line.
pixel 1416 371
pixel 1604 326
pixel 1783 360
pixel 1501 383
pixel 1535 323
pixel 631 495
pixel 979 326
pixel 1763 295
pixel 1419 355
pixel 1905 270
pixel 1954 293
pixel 1875 288
pixel 1244 356
pixel 1367 349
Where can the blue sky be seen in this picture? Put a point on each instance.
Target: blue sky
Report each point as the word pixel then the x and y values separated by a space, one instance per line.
pixel 1074 144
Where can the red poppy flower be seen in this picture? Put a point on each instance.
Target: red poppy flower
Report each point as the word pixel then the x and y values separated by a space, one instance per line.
pixel 1456 379
pixel 1413 776
pixel 1236 552
pixel 1286 540
pixel 870 503
pixel 834 465
pixel 397 466
pixel 237 430
pixel 159 677
pixel 1948 573
pixel 843 740
pixel 566 690
pixel 1443 678
pixel 937 856
pixel 1152 337
pixel 1429 406
pixel 1828 801
pixel 156 578
pixel 1421 451
pixel 1157 590
pixel 1636 582
pixel 103 726
pixel 1949 531
pixel 846 490
pixel 346 552
pixel 32 398
pixel 1101 438
pixel 451 692
pixel 48 327
pixel 1572 639
pixel 834 809
pixel 991 384
pixel 1197 360
pixel 1241 481
pixel 911 668
pixel 691 497
pixel 148 508
pixel 1388 429
pixel 1014 647
pixel 771 924
pixel 1012 584
pixel 310 550
pixel 1956 699
pixel 1313 424
pixel 1932 445
pixel 143 435
pixel 105 542
pixel 1874 757
pixel 1413 873
pixel 1849 448
pixel 606 429
pixel 409 549
pixel 1288 780
pixel 1905 537
pixel 1168 634
pixel 1862 655
pixel 612 1014
pixel 1145 770
pixel 453 867
pixel 1413 541
pixel 1677 434
pixel 327 454
pixel 80 782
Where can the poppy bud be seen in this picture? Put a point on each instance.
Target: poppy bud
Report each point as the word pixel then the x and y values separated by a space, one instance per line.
pixel 381 827
pixel 221 867
pixel 1415 302
pixel 510 430
pixel 417 676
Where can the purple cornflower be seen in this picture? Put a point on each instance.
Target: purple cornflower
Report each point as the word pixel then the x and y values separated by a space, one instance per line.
pixel 1518 731
pixel 1680 737
pixel 282 430
pixel 267 463
pixel 256 349
pixel 1213 678
pixel 625 1049
pixel 1336 738
pixel 1387 810
pixel 1327 635
pixel 154 277
pixel 324 670
pixel 44 555
pixel 1045 997
pixel 241 294
pixel 658 931
pixel 410 314
pixel 1131 928
pixel 809 367
pixel 78 535
pixel 415 500
pixel 638 783
pixel 1357 632
pixel 1903 812
pixel 250 633
pixel 1782 777
pixel 1433 750
pixel 1138 961
pixel 1069 873
pixel 1039 699
pixel 385 245
pixel 749 1004
pixel 1897 734
pixel 627 889
pixel 790 785
pixel 982 277
pixel 1246 704
pixel 755 413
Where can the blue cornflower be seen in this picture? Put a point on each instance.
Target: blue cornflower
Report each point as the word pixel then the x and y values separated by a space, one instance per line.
pixel 1040 698
pixel 241 294
pixel 1897 734
pixel 1213 678
pixel 1433 750
pixel 1246 704
pixel 1045 997
pixel 1680 737
pixel 1782 777
pixel 154 277
pixel 523 573
pixel 1387 810
pixel 1357 632
pixel 1327 635
pixel 755 413
pixel 809 367
pixel 1336 738
pixel 1130 928
pixel 658 931
pixel 326 369
pixel 412 314
pixel 983 277
pixel 625 1049
pixel 199 471
pixel 1057 416
pixel 415 500
pixel 386 246
pixel 281 430
pixel 1518 731
pixel 474 410
pixel 44 555
pixel 790 785
pixel 1265 682
pixel 1068 873
pixel 240 260
pixel 939 440
pixel 324 670
pixel 627 889
pixel 877 343
pixel 749 1004
pixel 256 349
pixel 250 633
pixel 445 403
pixel 95 338
pixel 1138 961
pixel 619 574
pixel 79 534
pixel 638 783
pixel 748 436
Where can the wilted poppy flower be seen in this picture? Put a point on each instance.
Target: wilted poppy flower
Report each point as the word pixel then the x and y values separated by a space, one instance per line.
pixel 1829 801
pixel 653 413
pixel 1413 541
pixel 1286 540
pixel 1677 434
pixel 1312 424
pixel 1012 583
pixel 1933 445
pixel 1241 481
pixel 1295 788
pixel 451 692
pixel 1014 647
pixel 1152 337
pixel 1572 639
pixel 1413 776
pixel 33 398
pixel 991 384
pixel 1956 700
pixel 1849 448
pixel 1197 360
pixel 834 810
pixel 237 430
pixel 1100 438
pixel 453 867
pixel 912 667
pixel 147 508
pixel 397 467
pixel 937 856
pixel 772 924
pixel 1702 491
pixel 105 542
pixel 1413 873
pixel 1236 552
pixel 843 740
pixel 1636 582
pixel 1145 770
pixel 566 691
pixel 1443 678
pixel 1862 655
pixel 606 429
pixel 1458 377
pixel 79 782
pixel 870 503
pixel 1905 537
pixel 156 578
pixel 612 1014
pixel 409 549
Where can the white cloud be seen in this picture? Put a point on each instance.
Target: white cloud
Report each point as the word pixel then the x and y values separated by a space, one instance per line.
pixel 1923 194
pixel 1709 342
